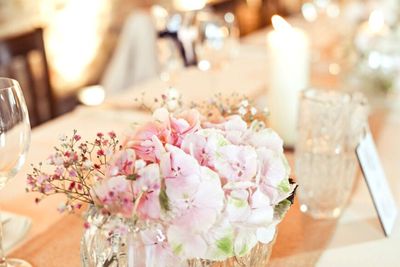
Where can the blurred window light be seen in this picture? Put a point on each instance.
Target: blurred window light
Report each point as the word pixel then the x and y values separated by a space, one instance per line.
pixel 309 12
pixel 74 35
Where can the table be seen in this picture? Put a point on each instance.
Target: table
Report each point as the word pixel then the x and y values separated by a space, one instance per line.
pixel 355 239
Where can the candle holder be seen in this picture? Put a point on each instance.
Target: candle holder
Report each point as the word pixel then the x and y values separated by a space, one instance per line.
pixel 377 65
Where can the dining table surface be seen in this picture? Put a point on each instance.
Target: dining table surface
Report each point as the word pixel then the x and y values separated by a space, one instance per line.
pixel 356 238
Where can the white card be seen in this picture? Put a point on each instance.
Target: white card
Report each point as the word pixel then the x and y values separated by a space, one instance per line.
pixel 377 183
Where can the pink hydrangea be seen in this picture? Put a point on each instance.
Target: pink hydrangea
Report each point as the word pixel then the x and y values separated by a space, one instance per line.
pixel 166 129
pixel 205 190
pixel 185 123
pixel 148 186
pixel 236 163
pixel 147 140
pixel 122 163
pixel 114 195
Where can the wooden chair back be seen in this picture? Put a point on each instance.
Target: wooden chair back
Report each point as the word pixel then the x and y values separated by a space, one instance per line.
pixel 23 57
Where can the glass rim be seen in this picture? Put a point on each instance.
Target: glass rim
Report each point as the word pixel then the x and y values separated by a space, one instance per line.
pixel 318 95
pixel 6 83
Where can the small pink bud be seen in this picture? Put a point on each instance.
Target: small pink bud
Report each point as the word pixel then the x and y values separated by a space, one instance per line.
pixel 112 134
pixel 71 186
pixel 105 142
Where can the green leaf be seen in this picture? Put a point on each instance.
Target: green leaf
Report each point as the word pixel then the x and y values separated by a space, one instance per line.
pixel 177 249
pixel 282 207
pixel 225 245
pixel 163 198
pixel 132 177
pixel 222 142
pixel 284 186
pixel 244 250
pixel 238 203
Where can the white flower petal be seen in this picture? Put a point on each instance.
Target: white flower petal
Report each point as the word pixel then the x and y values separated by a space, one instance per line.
pixel 266 234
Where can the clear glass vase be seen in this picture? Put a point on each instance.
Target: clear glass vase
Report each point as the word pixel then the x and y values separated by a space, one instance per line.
pixel 258 256
pixel 111 241
pixel 331 124
pixel 99 245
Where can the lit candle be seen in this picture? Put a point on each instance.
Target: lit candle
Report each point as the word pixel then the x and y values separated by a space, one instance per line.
pixel 289 67
pixel 189 5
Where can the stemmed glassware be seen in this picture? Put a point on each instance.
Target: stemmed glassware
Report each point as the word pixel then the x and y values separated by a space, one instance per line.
pixel 14 143
pixel 218 39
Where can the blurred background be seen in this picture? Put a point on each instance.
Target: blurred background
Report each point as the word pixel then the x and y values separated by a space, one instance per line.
pixel 81 37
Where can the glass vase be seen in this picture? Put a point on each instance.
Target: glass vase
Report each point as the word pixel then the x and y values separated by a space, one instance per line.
pixel 331 124
pixel 99 245
pixel 258 256
pixel 111 241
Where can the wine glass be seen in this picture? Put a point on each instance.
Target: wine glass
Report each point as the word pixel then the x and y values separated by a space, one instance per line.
pixel 14 143
pixel 217 42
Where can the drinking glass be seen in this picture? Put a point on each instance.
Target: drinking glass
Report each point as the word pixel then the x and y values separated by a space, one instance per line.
pixel 14 143
pixel 217 42
pixel 330 127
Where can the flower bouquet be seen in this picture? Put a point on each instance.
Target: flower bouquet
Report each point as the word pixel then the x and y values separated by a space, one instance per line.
pixel 183 190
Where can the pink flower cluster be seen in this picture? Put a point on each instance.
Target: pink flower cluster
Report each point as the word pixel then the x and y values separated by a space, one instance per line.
pixel 76 166
pixel 205 190
pixel 212 188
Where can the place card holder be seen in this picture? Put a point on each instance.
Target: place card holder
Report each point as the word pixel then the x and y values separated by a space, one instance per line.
pixel 377 184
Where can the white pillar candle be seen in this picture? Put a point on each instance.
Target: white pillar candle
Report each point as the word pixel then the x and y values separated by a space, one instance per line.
pixel 289 67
